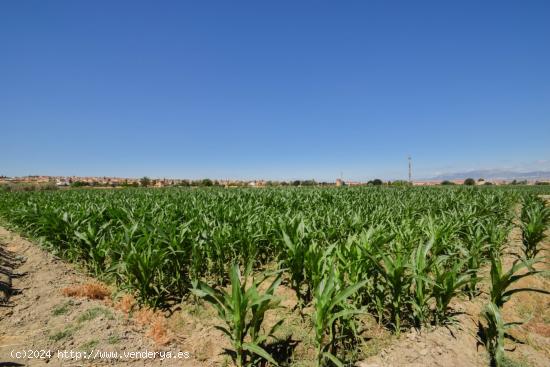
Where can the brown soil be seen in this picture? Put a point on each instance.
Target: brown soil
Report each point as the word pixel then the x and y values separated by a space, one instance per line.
pixel 50 309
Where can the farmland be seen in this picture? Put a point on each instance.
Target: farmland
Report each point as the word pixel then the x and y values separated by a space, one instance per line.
pixel 399 255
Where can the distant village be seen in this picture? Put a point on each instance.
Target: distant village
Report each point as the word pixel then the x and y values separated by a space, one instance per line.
pixel 104 181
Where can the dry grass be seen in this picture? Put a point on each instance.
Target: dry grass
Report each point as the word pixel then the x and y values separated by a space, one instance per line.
pixel 94 290
pixel 158 330
pixel 126 304
pixel 144 316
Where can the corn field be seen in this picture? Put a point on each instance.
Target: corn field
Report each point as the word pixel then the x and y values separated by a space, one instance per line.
pixel 399 254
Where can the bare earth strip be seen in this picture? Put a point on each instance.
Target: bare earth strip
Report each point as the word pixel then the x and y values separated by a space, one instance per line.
pixel 38 317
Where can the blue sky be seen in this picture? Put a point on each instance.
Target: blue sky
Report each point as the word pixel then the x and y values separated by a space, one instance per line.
pixel 273 89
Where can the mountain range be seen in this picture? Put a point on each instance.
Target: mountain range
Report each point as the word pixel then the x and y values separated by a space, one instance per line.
pixel 494 174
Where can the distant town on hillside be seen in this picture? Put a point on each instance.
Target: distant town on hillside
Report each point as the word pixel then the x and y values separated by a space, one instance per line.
pixel 471 178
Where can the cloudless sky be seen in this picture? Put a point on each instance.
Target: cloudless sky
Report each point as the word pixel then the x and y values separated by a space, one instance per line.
pixel 273 89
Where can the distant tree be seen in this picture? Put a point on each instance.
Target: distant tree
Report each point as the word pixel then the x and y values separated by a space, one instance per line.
pixel 153 182
pixel 542 183
pixel 487 183
pixel 377 182
pixel 79 184
pixel 308 183
pixel 206 182
pixel 399 183
pixel 296 183
pixel 469 182
pixel 145 181
pixel 447 182
pixel 135 184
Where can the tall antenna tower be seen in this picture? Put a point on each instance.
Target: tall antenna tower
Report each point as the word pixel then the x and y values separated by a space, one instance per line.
pixel 410 170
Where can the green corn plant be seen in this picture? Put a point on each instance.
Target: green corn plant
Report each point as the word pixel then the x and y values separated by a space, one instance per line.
pixel 442 233
pixel 494 332
pixel 294 256
pixel 355 264
pixel 473 251
pixel 330 307
pixel 496 233
pixel 448 280
pixel 534 221
pixel 421 265
pixel 395 281
pixel 532 234
pixel 243 311
pixel 501 280
pixel 315 259
pixel 93 246
pixel 141 269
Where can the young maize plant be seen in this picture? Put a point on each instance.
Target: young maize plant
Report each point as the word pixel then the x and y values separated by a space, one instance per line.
pixel 535 218
pixel 449 279
pixel 315 266
pixel 141 269
pixel 494 332
pixel 501 280
pixel 294 256
pixel 395 283
pixel 474 250
pixel 355 265
pixel 330 312
pixel 421 266
pixel 243 311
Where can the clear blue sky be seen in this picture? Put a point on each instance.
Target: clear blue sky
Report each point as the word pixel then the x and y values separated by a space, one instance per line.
pixel 273 89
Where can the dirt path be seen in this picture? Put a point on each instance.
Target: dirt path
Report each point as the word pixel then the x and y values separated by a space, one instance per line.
pixel 37 317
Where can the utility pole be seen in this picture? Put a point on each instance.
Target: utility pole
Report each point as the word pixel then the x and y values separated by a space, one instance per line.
pixel 410 170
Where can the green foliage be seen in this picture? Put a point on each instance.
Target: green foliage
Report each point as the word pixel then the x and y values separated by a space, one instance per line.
pixel 447 183
pixel 535 218
pixel 145 181
pixel 243 311
pixel 79 184
pixel 469 182
pixel 494 329
pixel 412 249
pixel 493 333
pixel 448 280
pixel 331 312
pixel 375 182
pixel 501 280
pixel 400 183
